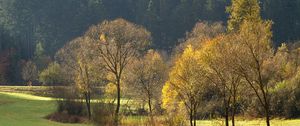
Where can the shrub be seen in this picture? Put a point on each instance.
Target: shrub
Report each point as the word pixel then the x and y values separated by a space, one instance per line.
pixel 176 120
pixel 71 107
pixel 66 118
pixel 52 75
pixel 103 114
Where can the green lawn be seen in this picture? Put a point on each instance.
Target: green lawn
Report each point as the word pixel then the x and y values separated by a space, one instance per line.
pixel 19 109
pixel 26 110
pixel 275 122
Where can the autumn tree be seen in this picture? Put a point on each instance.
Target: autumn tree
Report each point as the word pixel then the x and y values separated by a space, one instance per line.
pixel 146 77
pixel 218 59
pixel 187 80
pixel 253 35
pixel 255 51
pixel 202 31
pixel 29 72
pixel 52 75
pixel 240 11
pixel 116 43
pixel 81 67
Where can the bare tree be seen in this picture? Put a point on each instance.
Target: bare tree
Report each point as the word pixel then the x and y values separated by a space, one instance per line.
pixel 76 58
pixel 254 40
pixel 29 72
pixel 218 57
pixel 116 43
pixel 146 77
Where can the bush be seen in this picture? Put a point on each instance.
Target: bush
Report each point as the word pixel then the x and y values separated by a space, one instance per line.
pixel 52 75
pixel 285 101
pixel 66 118
pixel 176 120
pixel 103 114
pixel 68 109
pixel 71 107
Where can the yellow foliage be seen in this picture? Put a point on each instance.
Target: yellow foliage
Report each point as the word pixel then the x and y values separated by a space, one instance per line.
pixel 168 96
pixel 102 38
pixel 186 80
pixel 110 89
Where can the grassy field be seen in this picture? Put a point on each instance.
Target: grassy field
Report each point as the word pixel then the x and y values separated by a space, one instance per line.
pixel 275 122
pixel 24 109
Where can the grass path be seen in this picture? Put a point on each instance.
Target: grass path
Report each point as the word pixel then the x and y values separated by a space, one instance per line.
pixel 26 110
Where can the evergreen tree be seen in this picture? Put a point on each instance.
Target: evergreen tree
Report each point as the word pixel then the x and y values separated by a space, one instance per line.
pixel 242 10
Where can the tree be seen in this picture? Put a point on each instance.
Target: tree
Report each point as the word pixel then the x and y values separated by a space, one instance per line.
pixel 116 43
pixel 29 72
pixel 202 32
pixel 76 58
pixel 187 80
pixel 242 10
pixel 52 75
pixel 254 40
pixel 255 51
pixel 5 63
pixel 146 77
pixel 40 58
pixel 217 56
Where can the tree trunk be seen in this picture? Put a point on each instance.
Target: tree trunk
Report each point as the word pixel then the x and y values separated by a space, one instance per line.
pixel 267 116
pixel 233 116
pixel 226 117
pixel 195 115
pixel 233 109
pixel 226 111
pixel 191 118
pixel 88 103
pixel 150 110
pixel 150 107
pixel 118 102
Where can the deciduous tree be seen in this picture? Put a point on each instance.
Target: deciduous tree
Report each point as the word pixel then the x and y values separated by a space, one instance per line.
pixel 83 70
pixel 217 56
pixel 186 82
pixel 255 51
pixel 116 43
pixel 29 72
pixel 146 77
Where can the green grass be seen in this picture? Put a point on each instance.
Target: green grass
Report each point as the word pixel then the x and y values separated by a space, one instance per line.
pixel 35 90
pixel 26 110
pixel 21 108
pixel 275 122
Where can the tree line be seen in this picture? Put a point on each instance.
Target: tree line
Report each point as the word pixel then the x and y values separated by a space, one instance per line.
pixel 24 24
pixel 216 71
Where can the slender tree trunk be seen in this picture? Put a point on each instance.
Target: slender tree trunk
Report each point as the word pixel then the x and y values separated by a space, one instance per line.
pixel 88 103
pixel 191 117
pixel 226 116
pixel 89 98
pixel 226 109
pixel 233 108
pixel 233 114
pixel 195 115
pixel 267 115
pixel 150 106
pixel 150 109
pixel 118 102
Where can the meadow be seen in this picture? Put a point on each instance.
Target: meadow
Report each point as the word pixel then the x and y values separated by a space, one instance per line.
pixel 22 108
pixel 17 109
